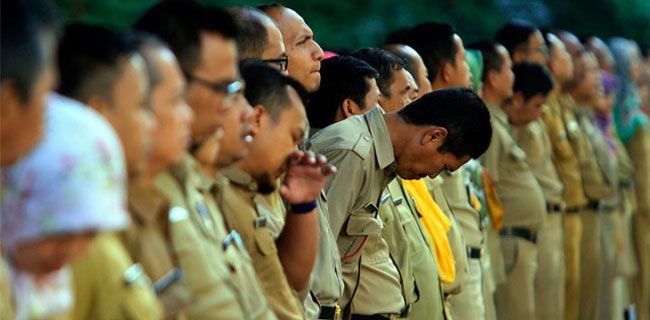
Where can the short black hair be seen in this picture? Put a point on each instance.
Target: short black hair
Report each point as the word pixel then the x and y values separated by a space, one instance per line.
pixel 435 44
pixel 252 36
pixel 531 79
pixel 180 23
pixel 384 62
pixel 144 41
pixel 91 60
pixel 515 33
pixel 266 86
pixel 397 37
pixel 461 112
pixel 492 60
pixel 23 25
pixel 341 78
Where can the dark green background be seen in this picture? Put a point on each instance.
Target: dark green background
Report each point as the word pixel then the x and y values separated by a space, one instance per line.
pixel 354 24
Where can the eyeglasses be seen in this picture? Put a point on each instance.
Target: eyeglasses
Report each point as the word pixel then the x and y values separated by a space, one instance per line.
pixel 228 88
pixel 283 62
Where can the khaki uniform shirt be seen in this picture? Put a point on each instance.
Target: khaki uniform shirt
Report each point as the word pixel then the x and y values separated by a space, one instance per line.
pixel 592 179
pixel 150 244
pixel 107 285
pixel 217 285
pixel 600 168
pixel 425 294
pixel 520 193
pixel 360 148
pixel 564 157
pixel 394 233
pixel 468 218
pixel 6 293
pixel 455 236
pixel 247 212
pixel 533 139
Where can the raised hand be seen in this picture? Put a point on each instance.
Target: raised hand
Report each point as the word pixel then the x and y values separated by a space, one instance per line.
pixel 306 176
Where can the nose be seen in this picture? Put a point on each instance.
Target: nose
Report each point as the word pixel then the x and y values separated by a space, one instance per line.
pixel 318 52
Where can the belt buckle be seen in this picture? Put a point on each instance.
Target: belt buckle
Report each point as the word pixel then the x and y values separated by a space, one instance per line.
pixel 337 313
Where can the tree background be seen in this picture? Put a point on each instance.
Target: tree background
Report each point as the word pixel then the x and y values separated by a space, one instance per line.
pixel 354 24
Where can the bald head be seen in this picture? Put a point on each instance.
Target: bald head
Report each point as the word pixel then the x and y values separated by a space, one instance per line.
pixel 414 65
pixel 304 53
pixel 258 36
pixel 602 52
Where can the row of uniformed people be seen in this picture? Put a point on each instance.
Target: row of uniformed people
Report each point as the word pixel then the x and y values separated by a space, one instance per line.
pixel 216 247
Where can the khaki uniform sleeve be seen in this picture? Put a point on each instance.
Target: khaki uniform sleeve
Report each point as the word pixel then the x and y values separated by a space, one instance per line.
pixel 343 187
pixel 490 159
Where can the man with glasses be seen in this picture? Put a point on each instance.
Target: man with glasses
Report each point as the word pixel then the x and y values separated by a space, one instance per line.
pixel 259 38
pixel 203 40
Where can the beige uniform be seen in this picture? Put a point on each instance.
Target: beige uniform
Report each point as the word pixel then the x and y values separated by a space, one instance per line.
pixel 199 240
pixel 469 302
pixel 150 244
pixel 566 163
pixel 108 285
pixel 429 298
pixel 360 148
pixel 549 283
pixel 247 212
pixel 600 170
pixel 411 253
pixel 524 213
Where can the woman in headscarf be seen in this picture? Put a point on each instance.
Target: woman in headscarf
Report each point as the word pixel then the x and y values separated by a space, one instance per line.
pixel 634 130
pixel 53 203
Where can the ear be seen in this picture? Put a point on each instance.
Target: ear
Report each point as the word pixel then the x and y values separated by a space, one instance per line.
pixel 493 78
pixel 259 113
pixel 10 102
pixel 446 72
pixel 517 101
pixel 435 135
pixel 517 57
pixel 350 108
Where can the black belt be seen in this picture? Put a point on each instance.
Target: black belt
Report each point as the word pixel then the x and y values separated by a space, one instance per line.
pixel 404 314
pixel 553 207
pixel 330 313
pixel 574 210
pixel 599 206
pixel 520 233
pixel 474 253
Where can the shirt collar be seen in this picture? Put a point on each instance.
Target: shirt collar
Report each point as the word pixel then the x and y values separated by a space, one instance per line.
pixel 240 178
pixel 499 115
pixel 146 203
pixel 381 139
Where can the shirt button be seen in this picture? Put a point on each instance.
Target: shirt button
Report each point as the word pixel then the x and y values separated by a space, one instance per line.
pixel 366 138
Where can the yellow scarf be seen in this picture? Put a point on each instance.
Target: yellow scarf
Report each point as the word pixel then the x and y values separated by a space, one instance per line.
pixel 436 225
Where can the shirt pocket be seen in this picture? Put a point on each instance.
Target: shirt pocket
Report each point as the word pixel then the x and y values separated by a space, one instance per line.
pixel 139 299
pixel 264 241
pixel 360 226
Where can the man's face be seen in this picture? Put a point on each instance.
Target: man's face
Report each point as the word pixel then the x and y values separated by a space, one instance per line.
pixel 423 156
pixel 215 108
pixel 414 90
pixel 560 62
pixel 505 76
pixel 129 115
pixel 535 51
pixel 172 133
pixel 304 53
pixel 523 112
pixel 400 90
pixel 275 45
pixel 424 85
pixel 590 85
pixel 460 77
pixel 275 141
pixel 21 122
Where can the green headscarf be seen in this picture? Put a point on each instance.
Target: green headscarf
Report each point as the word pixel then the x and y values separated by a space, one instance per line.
pixel 474 59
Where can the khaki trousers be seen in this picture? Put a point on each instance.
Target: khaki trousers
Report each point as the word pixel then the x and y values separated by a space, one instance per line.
pixel 468 303
pixel 549 282
pixel 591 269
pixel 572 235
pixel 608 244
pixel 515 299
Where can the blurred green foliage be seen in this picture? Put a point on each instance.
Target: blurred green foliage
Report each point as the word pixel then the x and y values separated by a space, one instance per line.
pixel 354 24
